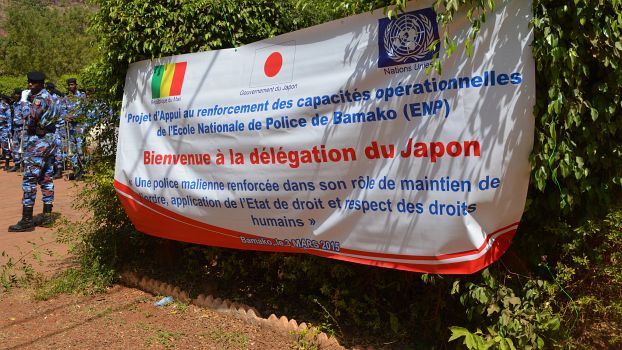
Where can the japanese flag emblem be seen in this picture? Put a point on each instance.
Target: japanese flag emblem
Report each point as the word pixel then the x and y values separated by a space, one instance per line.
pixel 274 64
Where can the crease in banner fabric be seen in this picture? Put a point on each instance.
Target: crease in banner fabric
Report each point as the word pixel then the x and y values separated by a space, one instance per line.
pixel 334 141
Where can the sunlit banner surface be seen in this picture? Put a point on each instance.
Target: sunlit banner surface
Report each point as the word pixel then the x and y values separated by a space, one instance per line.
pixel 339 141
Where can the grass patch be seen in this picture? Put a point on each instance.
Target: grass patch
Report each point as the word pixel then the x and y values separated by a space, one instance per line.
pixel 74 281
pixel 18 274
pixel 236 339
pixel 164 337
pixel 179 306
pixel 104 313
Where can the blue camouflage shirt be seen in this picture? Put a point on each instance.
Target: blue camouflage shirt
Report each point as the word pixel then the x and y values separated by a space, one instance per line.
pixel 18 115
pixel 43 110
pixel 5 117
pixel 72 104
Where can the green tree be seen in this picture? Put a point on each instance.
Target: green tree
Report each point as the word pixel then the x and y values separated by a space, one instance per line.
pixel 44 37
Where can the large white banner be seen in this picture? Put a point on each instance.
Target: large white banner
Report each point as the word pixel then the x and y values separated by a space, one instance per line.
pixel 334 141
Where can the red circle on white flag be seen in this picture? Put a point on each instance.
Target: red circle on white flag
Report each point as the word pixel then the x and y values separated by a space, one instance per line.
pixel 273 64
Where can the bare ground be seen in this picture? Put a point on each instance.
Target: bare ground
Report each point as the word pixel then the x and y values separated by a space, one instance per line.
pixel 125 318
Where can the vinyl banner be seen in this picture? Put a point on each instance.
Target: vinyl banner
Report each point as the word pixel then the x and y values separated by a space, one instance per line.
pixel 335 141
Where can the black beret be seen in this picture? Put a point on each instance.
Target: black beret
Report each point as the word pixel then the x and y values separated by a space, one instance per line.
pixel 17 91
pixel 72 81
pixel 50 85
pixel 5 97
pixel 36 77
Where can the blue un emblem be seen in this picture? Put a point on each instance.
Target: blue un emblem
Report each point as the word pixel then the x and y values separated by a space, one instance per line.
pixel 407 38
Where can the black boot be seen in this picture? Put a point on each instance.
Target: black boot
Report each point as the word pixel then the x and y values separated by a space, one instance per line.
pixel 6 164
pixel 76 175
pixel 47 216
pixel 14 168
pixel 58 173
pixel 26 223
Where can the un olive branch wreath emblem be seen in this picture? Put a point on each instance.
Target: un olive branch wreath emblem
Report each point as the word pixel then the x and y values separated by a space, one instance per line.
pixel 408 37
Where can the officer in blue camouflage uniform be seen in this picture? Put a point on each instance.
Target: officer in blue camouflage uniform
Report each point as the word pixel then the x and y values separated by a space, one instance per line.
pixel 5 128
pixel 39 150
pixel 93 110
pixel 74 101
pixel 17 127
pixel 59 157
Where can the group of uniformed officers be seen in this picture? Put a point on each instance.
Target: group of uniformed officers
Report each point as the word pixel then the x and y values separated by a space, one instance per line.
pixel 41 131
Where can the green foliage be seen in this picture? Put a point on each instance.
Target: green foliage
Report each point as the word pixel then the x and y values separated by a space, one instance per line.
pixel 15 273
pixel 19 271
pixel 352 7
pixel 577 154
pixel 44 37
pixel 512 320
pixel 306 339
pixel 590 269
pixel 9 83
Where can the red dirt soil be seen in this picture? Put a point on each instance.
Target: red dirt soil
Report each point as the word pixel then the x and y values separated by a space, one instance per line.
pixel 16 245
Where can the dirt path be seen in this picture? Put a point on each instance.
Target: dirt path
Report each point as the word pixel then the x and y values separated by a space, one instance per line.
pixel 125 318
pixel 121 318
pixel 16 245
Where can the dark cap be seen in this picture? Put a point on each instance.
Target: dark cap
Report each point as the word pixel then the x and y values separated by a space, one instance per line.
pixel 72 81
pixel 5 97
pixel 50 85
pixel 36 77
pixel 17 91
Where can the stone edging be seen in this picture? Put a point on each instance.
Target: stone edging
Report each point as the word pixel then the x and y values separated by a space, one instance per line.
pixel 250 314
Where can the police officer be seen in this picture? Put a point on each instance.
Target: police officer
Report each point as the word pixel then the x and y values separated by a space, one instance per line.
pixel 94 109
pixel 74 101
pixel 5 128
pixel 17 127
pixel 59 157
pixel 39 148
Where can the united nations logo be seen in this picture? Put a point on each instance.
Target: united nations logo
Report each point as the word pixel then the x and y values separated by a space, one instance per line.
pixel 407 39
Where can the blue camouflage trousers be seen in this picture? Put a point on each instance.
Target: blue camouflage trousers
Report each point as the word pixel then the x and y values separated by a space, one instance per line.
pixel 17 138
pixel 77 144
pixel 38 160
pixel 59 156
pixel 4 142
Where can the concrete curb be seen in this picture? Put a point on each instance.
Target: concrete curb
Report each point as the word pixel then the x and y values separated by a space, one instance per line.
pixel 244 312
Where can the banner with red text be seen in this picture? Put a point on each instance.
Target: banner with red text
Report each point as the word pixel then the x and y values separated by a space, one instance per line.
pixel 339 141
